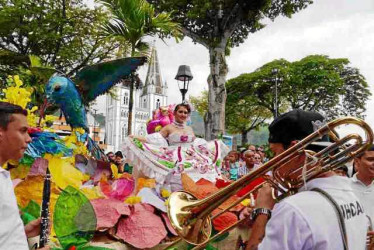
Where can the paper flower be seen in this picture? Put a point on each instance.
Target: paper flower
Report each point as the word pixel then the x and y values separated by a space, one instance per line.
pixel 108 211
pixel 142 229
pixel 15 94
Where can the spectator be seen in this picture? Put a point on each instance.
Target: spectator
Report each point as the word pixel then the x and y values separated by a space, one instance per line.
pixel 111 157
pixel 363 181
pixel 119 162
pixel 257 160
pixel 260 150
pixel 233 157
pixel 252 148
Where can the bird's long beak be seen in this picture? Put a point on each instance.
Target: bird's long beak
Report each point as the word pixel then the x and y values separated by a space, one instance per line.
pixel 42 110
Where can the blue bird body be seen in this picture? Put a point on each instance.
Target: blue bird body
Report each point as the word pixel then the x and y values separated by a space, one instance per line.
pixel 62 92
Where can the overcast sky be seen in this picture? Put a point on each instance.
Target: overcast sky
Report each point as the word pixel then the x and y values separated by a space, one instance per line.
pixel 337 28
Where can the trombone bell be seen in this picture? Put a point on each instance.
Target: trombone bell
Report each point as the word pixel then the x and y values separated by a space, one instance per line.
pixel 181 214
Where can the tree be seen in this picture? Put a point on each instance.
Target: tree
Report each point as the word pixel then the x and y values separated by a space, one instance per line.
pixel 133 20
pixel 219 25
pixel 63 33
pixel 266 85
pixel 243 115
pixel 316 83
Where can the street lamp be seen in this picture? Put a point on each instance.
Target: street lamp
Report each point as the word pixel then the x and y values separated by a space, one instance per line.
pixel 275 72
pixel 184 75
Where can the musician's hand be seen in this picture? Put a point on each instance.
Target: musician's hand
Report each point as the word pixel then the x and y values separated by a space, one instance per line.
pixel 32 229
pixel 370 239
pixel 265 198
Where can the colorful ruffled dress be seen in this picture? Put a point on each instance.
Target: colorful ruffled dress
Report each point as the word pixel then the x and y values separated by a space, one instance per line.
pixel 165 159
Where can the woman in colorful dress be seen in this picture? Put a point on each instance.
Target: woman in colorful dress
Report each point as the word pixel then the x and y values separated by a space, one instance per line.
pixel 175 150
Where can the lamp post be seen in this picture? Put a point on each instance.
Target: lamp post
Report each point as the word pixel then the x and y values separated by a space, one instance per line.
pixel 275 72
pixel 184 75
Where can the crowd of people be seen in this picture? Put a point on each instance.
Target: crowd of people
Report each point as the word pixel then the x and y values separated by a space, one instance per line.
pixel 237 164
pixel 330 211
pixel 119 161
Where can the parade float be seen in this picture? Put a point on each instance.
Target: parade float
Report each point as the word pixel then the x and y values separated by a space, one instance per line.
pixel 88 204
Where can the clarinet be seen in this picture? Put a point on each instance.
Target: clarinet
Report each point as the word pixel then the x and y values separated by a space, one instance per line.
pixel 44 224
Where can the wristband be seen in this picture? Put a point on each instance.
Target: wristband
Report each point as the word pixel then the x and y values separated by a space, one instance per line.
pixel 257 211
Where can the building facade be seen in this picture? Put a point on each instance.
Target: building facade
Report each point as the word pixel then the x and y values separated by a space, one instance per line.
pixel 147 98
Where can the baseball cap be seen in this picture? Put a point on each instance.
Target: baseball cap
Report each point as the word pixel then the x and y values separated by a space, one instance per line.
pixel 296 125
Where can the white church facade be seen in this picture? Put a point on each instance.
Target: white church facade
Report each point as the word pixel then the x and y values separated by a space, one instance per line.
pixel 147 98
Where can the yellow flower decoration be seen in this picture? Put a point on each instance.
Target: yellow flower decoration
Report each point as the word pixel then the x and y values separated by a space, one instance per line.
pixel 72 142
pixel 133 200
pixel 246 202
pixel 165 193
pixel 16 94
pixel 32 119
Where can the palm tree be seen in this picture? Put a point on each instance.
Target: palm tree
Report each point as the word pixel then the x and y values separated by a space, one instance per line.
pixel 133 20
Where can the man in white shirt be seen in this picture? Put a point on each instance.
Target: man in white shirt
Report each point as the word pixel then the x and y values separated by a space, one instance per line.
pixel 307 220
pixel 363 181
pixel 14 138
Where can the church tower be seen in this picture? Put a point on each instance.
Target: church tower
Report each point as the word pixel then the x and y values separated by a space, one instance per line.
pixel 147 98
pixel 154 92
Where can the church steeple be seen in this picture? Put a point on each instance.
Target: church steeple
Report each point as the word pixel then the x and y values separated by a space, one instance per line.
pixel 153 83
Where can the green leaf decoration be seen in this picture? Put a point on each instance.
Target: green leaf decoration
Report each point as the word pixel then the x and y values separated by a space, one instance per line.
pixel 167 163
pixel 27 160
pixel 138 143
pixel 74 219
pixel 93 248
pixel 30 212
pixel 26 218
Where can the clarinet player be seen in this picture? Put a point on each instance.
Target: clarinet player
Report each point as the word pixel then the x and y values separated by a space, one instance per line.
pixel 13 143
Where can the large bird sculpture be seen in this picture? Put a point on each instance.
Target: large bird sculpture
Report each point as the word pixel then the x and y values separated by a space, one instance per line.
pixel 73 96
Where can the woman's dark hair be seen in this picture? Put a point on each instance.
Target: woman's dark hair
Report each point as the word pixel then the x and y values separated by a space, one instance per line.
pixel 119 154
pixel 185 105
pixel 6 112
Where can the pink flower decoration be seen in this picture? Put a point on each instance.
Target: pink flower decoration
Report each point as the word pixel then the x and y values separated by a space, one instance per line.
pixel 184 138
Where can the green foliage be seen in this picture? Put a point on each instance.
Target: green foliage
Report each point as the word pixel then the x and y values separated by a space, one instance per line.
pixel 200 102
pixel 132 20
pixel 316 82
pixel 209 21
pixel 34 78
pixel 243 114
pixel 63 33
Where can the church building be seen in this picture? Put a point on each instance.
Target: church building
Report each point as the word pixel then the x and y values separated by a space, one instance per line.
pixel 147 98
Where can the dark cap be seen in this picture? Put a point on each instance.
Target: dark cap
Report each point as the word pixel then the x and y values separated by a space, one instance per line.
pixel 295 125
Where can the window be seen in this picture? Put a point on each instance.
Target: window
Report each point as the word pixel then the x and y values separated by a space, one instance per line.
pixel 126 99
pixel 157 103
pixel 144 103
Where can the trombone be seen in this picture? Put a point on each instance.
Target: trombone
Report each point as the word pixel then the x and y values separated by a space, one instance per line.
pixel 191 217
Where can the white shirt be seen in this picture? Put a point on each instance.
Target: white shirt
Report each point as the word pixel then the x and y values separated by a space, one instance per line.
pixel 307 220
pixel 12 233
pixel 365 194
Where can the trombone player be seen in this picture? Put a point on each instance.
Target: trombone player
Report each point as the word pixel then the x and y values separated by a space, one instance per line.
pixel 326 215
